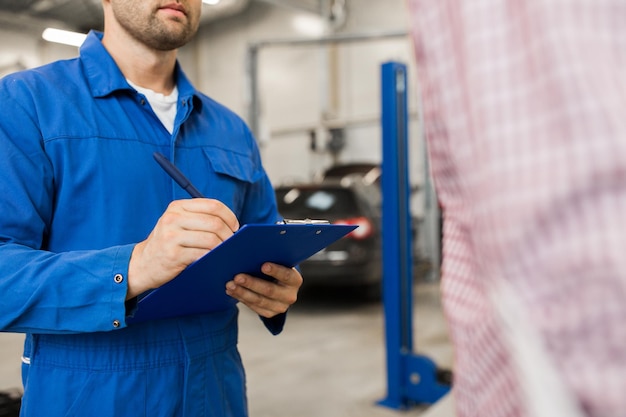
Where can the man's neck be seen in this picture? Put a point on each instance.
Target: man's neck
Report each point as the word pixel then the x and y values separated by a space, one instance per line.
pixel 145 67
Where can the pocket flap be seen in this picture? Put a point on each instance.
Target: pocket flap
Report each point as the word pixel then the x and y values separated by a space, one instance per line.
pixel 234 165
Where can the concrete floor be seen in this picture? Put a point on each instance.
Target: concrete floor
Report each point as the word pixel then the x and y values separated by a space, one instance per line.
pixel 329 361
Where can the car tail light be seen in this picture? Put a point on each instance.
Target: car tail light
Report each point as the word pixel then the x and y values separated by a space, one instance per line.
pixel 364 230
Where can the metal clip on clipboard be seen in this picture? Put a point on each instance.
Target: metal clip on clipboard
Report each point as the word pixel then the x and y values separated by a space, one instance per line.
pixel 303 221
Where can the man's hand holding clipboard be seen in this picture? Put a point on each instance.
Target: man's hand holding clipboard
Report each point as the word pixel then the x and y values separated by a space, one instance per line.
pixel 267 298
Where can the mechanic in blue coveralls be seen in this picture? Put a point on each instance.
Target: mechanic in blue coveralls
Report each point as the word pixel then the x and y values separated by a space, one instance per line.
pixel 89 221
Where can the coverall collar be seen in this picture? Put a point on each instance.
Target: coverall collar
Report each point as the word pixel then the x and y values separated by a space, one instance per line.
pixel 104 76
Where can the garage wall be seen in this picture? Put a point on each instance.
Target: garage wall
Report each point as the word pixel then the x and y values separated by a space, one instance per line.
pixel 305 89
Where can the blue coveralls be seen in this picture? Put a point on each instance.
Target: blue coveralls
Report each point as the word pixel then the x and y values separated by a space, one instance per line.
pixel 79 188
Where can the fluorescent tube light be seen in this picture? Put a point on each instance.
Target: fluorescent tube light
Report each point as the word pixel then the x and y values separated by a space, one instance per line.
pixel 63 36
pixel 308 25
pixel 211 2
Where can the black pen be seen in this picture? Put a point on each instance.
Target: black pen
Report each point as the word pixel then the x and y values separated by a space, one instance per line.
pixel 177 176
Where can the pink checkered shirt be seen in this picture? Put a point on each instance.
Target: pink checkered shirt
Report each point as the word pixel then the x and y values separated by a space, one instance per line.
pixel 525 116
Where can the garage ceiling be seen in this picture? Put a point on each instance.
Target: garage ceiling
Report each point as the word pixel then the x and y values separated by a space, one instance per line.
pixel 82 15
pixel 315 6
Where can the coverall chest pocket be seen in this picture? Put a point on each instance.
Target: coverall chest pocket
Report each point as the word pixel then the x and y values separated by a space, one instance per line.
pixel 233 175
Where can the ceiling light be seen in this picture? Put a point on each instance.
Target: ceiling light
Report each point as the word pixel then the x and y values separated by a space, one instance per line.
pixel 63 36
pixel 309 25
pixel 211 2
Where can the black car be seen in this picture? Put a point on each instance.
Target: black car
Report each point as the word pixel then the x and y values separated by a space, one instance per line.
pixel 354 260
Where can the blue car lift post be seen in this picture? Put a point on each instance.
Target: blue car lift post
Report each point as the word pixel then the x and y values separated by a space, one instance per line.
pixel 411 378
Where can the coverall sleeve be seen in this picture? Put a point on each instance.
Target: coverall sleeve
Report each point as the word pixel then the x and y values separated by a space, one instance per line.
pixel 42 291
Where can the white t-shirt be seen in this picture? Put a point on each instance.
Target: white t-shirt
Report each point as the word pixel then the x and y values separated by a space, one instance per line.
pixel 163 106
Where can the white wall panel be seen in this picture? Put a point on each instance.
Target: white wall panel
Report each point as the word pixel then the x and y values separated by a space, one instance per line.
pixel 295 82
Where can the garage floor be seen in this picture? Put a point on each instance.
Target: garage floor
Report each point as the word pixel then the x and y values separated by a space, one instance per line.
pixel 329 361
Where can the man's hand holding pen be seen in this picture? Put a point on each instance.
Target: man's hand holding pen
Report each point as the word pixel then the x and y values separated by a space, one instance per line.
pixel 267 298
pixel 186 231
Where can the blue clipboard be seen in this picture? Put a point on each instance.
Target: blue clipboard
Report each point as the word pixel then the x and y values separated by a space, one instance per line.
pixel 201 287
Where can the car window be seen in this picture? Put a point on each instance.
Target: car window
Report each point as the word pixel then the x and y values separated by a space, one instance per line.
pixel 316 202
